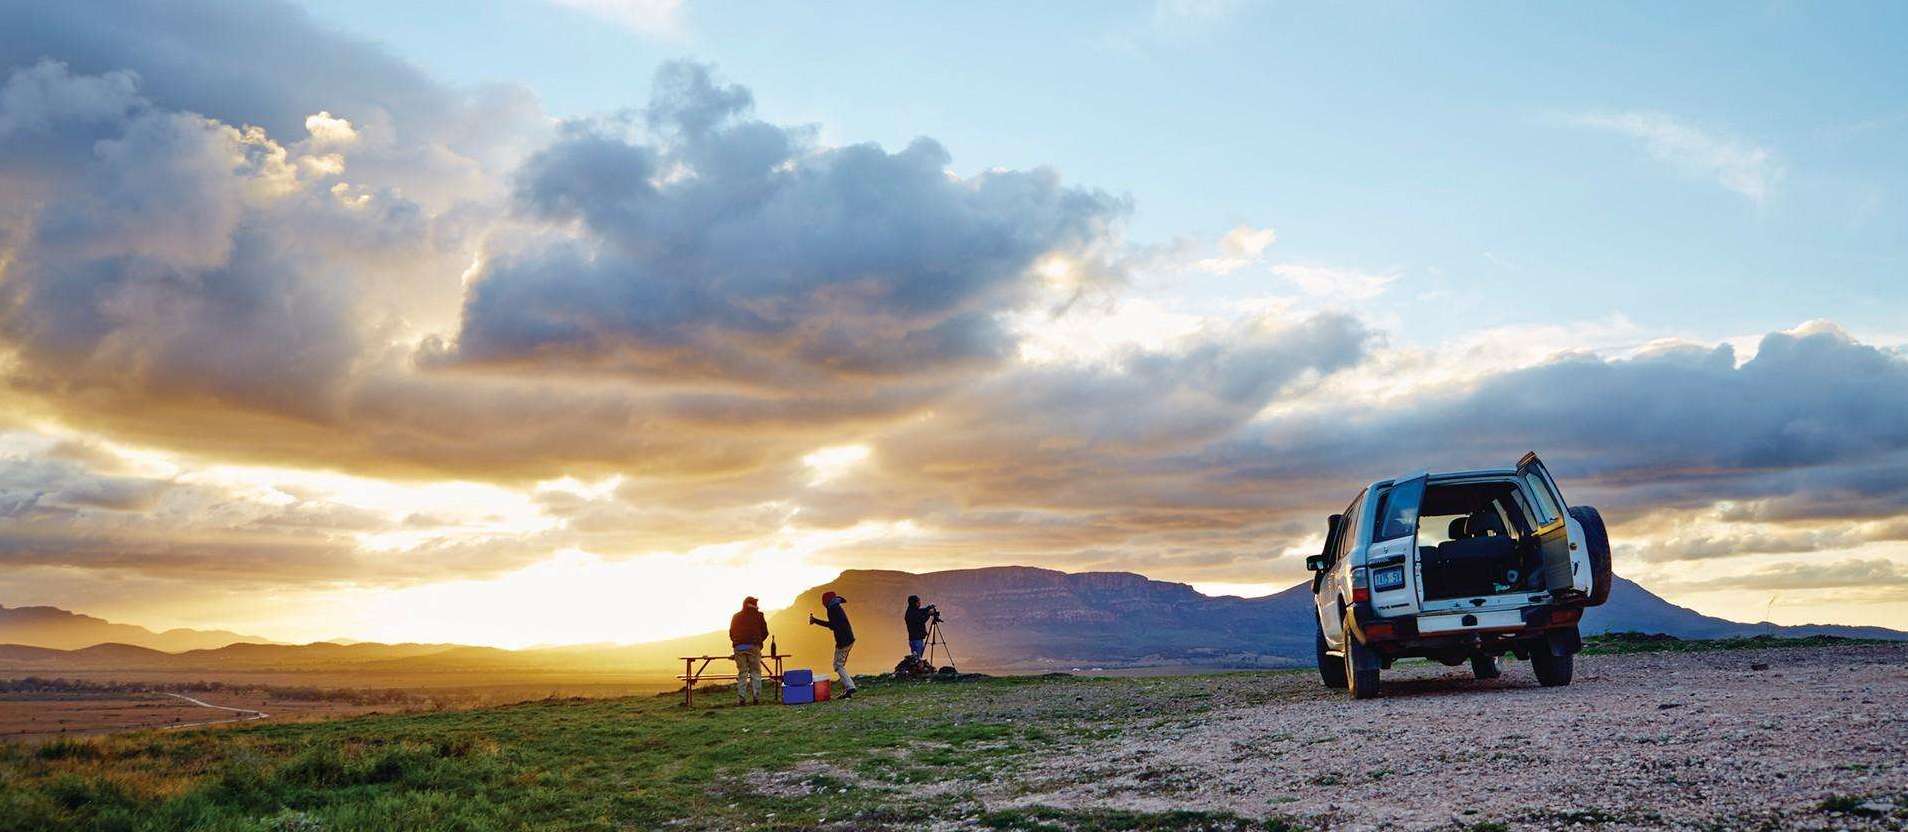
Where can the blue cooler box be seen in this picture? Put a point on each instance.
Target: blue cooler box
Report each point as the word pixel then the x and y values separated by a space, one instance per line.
pixel 797 694
pixel 799 676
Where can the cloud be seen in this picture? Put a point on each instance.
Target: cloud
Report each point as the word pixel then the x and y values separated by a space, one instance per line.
pixel 1747 169
pixel 722 248
pixel 1241 247
pixel 328 131
pixel 1738 540
pixel 36 98
pixel 171 251
pixel 1872 576
pixel 1670 425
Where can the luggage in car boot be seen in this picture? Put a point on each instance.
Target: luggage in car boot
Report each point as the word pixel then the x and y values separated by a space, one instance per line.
pixel 1473 566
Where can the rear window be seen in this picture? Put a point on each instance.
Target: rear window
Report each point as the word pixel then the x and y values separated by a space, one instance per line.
pixel 1546 504
pixel 1398 510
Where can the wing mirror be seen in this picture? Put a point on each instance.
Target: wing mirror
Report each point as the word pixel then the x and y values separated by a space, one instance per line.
pixel 1316 563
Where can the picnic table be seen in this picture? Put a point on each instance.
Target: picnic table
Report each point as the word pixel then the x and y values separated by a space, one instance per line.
pixel 696 669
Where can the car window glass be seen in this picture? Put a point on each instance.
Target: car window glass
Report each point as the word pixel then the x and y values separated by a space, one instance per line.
pixel 1546 504
pixel 1399 517
pixel 1519 509
pixel 1330 550
pixel 1348 536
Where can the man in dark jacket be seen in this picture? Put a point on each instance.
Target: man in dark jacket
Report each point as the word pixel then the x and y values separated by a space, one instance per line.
pixel 916 617
pixel 844 638
pixel 748 631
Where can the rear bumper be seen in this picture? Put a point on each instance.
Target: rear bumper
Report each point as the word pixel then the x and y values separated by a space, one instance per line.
pixel 1410 632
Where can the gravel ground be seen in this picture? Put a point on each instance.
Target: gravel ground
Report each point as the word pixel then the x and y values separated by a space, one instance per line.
pixel 1817 740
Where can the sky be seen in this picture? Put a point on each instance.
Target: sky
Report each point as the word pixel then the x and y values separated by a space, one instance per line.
pixel 562 321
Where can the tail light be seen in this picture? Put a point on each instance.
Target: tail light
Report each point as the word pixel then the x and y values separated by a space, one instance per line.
pixel 1361 585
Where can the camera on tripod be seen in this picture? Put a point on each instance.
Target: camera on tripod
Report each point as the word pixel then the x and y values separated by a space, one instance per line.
pixel 926 643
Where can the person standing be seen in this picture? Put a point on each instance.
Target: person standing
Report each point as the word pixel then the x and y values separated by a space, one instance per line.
pixel 916 619
pixel 748 631
pixel 844 638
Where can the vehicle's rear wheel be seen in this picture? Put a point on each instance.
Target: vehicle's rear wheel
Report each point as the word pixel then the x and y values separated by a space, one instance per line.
pixel 1330 667
pixel 1485 667
pixel 1553 671
pixel 1597 545
pixel 1363 684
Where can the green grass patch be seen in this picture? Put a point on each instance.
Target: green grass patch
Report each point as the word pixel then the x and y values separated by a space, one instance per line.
pixel 897 756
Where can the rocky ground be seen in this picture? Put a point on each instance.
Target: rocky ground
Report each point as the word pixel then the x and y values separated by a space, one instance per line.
pixel 1756 739
pixel 1706 736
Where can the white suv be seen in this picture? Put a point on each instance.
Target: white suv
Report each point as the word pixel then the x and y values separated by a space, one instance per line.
pixel 1455 567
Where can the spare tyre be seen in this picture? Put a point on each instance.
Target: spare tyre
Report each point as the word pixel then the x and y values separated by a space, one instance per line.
pixel 1597 542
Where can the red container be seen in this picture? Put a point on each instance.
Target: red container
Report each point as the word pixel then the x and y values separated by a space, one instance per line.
pixel 821 690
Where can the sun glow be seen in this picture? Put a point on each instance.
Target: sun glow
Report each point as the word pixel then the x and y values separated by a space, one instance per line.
pixel 830 463
pixel 578 597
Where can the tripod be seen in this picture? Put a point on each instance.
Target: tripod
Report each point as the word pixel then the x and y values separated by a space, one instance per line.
pixel 937 643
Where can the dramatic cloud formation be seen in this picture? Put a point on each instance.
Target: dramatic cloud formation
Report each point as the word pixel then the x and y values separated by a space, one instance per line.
pixel 1673 424
pixel 734 251
pixel 339 328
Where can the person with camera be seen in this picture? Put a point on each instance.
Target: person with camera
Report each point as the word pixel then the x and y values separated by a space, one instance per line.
pixel 844 638
pixel 916 617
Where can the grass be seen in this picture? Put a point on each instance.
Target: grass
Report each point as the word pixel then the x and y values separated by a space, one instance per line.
pixel 883 760
pixel 1621 643
pixel 901 755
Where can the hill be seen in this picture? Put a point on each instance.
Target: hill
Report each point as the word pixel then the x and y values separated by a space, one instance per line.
pixel 998 619
pixel 1633 609
pixel 1020 618
pixel 62 630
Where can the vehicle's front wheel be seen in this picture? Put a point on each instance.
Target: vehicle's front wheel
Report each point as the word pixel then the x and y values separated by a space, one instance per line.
pixel 1362 684
pixel 1485 667
pixel 1330 667
pixel 1553 671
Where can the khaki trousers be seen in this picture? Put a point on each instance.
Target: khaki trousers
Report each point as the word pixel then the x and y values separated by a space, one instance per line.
pixel 748 673
pixel 841 667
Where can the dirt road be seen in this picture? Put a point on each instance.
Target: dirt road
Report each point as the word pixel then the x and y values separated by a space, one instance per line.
pixel 244 714
pixel 1817 740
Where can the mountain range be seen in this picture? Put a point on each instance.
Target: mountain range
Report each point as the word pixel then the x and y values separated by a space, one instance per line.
pixel 997 618
pixel 59 629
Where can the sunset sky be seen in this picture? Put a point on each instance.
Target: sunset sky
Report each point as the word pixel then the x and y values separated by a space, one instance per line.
pixel 577 320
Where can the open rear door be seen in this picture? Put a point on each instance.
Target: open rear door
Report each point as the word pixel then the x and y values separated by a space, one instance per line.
pixel 1553 533
pixel 1398 517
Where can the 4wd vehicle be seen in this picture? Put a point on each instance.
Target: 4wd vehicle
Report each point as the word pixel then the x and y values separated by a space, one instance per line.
pixel 1456 567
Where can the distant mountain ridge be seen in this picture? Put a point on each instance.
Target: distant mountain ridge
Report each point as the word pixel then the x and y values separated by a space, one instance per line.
pixel 1024 618
pixel 62 630
pixel 1011 618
